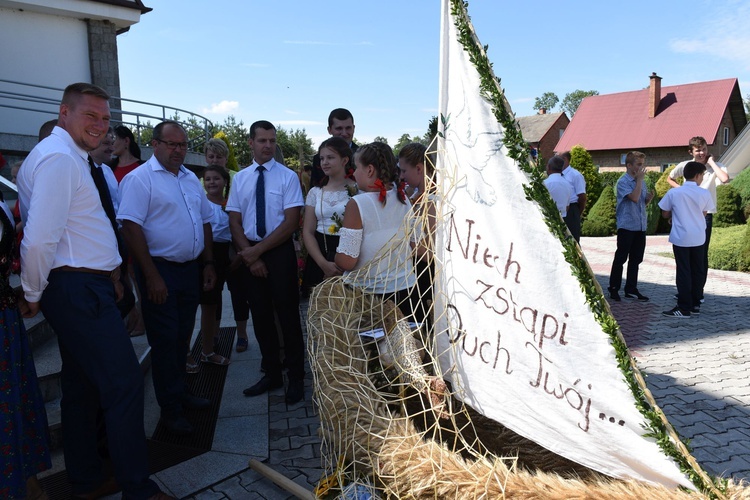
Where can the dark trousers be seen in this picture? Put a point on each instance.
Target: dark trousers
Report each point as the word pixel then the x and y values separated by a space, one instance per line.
pixel 238 285
pixel 573 221
pixel 278 292
pixel 630 247
pixel 99 369
pixel 709 227
pixel 169 327
pixel 689 262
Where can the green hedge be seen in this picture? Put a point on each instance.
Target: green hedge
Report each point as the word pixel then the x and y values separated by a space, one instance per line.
pixel 730 248
pixel 601 220
pixel 728 206
pixel 581 160
pixel 741 184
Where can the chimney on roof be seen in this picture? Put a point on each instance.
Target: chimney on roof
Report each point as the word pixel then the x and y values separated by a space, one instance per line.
pixel 542 111
pixel 654 94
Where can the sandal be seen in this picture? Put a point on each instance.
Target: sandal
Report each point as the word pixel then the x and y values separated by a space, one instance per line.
pixel 191 366
pixel 211 358
pixel 241 344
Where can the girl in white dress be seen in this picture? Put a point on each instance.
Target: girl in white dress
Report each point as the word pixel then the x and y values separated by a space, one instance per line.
pixel 324 212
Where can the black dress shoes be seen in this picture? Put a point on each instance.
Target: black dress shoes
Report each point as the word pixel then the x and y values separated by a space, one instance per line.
pixel 194 402
pixel 264 385
pixel 178 426
pixel 295 392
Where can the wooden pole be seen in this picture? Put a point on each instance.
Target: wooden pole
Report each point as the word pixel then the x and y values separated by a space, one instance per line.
pixel 281 480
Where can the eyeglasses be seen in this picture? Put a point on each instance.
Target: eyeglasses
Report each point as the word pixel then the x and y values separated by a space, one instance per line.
pixel 174 145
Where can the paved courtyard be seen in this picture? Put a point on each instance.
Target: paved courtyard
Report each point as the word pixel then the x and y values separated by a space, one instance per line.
pixel 698 370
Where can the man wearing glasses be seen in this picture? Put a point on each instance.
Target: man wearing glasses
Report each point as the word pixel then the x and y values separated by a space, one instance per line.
pixel 165 221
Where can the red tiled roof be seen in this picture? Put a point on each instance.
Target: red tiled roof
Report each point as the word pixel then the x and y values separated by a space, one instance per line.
pixel 621 121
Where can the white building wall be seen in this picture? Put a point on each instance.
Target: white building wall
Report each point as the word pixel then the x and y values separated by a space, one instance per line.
pixel 43 50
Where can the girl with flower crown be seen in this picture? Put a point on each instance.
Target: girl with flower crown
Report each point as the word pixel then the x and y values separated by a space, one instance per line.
pixel 375 228
pixel 324 212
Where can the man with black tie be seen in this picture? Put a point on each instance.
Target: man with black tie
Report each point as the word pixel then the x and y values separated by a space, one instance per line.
pixel 264 210
pixel 70 271
pixel 166 223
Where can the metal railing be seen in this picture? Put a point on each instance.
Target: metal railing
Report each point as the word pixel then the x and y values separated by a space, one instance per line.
pixel 137 115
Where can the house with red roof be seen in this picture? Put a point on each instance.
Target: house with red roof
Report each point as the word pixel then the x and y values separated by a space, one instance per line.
pixel 543 130
pixel 659 121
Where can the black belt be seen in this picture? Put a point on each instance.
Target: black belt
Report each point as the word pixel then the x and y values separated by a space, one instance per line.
pixel 70 269
pixel 179 264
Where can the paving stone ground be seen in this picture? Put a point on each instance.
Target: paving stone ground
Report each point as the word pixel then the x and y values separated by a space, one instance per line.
pixel 698 370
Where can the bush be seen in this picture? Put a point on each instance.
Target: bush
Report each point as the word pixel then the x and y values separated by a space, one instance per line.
pixel 653 216
pixel 581 160
pixel 609 178
pixel 741 184
pixel 662 186
pixel 601 220
pixel 728 206
pixel 730 248
pixel 744 260
pixel 652 177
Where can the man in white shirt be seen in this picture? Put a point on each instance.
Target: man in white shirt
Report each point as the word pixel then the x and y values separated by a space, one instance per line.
pixel 70 270
pixel 715 174
pixel 165 219
pixel 264 209
pixel 577 200
pixel 559 189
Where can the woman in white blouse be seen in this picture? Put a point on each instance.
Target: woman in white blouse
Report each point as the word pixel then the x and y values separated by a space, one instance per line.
pixel 324 211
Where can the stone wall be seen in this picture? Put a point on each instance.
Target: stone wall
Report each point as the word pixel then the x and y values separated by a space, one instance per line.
pixel 105 71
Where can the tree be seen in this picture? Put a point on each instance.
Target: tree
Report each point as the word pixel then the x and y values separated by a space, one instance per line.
pixel 747 107
pixel 548 101
pixel 403 141
pixel 572 100
pixel 380 139
pixel 431 131
pixel 237 136
pixel 296 147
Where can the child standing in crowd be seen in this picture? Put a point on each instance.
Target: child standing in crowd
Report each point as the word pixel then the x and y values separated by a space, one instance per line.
pixel 216 182
pixel 687 206
pixel 217 154
pixel 374 230
pixel 715 174
pixel 632 198
pixel 415 169
pixel 324 212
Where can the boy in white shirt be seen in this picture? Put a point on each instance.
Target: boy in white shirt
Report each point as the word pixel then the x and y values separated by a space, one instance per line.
pixel 715 174
pixel 687 207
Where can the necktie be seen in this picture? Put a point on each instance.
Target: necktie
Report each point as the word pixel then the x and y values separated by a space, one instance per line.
pixel 260 203
pixel 106 199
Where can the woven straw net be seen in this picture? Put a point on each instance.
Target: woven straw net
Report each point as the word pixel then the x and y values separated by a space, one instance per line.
pixel 389 421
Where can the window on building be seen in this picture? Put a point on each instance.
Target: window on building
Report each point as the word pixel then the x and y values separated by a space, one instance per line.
pixel 622 158
pixel 726 136
pixel 665 166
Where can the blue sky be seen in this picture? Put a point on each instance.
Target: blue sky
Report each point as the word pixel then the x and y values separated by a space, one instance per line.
pixel 292 61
